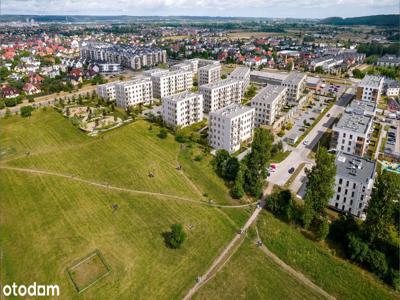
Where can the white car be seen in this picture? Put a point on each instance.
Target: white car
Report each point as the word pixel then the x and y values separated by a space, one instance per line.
pixel 305 143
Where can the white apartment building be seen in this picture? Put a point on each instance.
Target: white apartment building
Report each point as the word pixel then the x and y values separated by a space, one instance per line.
pixel 353 184
pixel 295 83
pixel 197 63
pixel 243 74
pixel 107 91
pixel 351 134
pixel 370 88
pixel 231 126
pixel 182 66
pixel 268 103
pixel 170 83
pixel 134 92
pixel 155 71
pixel 209 74
pixel 220 94
pixel 182 109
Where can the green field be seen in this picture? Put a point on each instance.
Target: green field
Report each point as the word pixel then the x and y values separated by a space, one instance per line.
pixel 252 275
pixel 339 278
pixel 49 221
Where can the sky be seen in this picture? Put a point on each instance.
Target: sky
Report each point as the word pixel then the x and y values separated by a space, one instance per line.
pixel 225 8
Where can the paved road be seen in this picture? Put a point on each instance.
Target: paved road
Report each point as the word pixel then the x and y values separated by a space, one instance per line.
pixel 301 152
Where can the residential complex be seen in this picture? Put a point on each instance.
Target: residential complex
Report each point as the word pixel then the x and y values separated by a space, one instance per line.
pixel 182 109
pixel 107 91
pixel 268 103
pixel 134 92
pixel 171 82
pixel 370 88
pixel 231 126
pixel 389 61
pixel 209 74
pixel 243 74
pixel 295 83
pixel 353 184
pixel 351 134
pixel 263 77
pixel 220 94
pixel 132 57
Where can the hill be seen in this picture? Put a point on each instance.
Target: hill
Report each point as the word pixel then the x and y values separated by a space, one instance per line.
pixel 377 20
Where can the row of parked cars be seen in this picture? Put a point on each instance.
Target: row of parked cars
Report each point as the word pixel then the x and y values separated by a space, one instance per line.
pixel 391 136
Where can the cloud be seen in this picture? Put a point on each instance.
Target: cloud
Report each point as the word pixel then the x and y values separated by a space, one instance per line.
pixel 257 8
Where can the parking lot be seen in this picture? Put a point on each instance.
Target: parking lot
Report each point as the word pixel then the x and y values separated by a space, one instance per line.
pixel 336 89
pixel 306 118
pixel 392 146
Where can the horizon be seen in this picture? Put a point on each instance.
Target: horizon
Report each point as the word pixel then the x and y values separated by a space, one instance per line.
pixel 302 9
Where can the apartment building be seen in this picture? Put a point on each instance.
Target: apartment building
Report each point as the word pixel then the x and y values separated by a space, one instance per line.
pixel 134 92
pixel 220 94
pixel 132 57
pixel 209 74
pixel 353 184
pixel 389 61
pixel 171 82
pixel 182 66
pixel 231 126
pixel 351 134
pixel 295 83
pixel 182 109
pixel 107 91
pixel 268 103
pixel 370 88
pixel 197 63
pixel 265 77
pixel 242 74
pixel 149 73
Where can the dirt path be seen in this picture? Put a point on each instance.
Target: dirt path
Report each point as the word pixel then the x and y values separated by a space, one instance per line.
pixel 299 276
pixel 121 189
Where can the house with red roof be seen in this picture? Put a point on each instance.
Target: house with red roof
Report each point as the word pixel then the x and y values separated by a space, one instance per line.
pixel 9 92
pixel 30 89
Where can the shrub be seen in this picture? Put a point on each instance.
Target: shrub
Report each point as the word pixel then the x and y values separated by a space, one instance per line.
pixel 175 238
pixel 162 134
pixel 198 157
pixel 323 229
pixel 26 111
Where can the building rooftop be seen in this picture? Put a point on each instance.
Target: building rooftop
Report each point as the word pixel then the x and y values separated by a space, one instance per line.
pixel 134 81
pixel 389 59
pixel 181 96
pixel 361 107
pixel 354 167
pixel 210 67
pixel 371 81
pixel 354 122
pixel 170 73
pixel 127 50
pixel 271 75
pixel 269 94
pixel 218 84
pixel 294 78
pixel 231 111
pixel 155 71
pixel 240 71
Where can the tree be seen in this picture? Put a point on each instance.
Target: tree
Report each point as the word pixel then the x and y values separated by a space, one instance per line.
pixel 323 229
pixel 358 73
pixel 381 207
pixel 320 186
pixel 237 191
pixel 176 236
pixel 231 168
pixel 220 160
pixel 26 111
pixel 281 204
pixel 256 161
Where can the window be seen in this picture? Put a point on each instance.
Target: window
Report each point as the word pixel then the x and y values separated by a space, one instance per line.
pixel 340 180
pixel 339 189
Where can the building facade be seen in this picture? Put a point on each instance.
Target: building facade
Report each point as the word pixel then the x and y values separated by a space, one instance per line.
pixel 128 56
pixel 209 74
pixel 107 91
pixel 220 94
pixel 171 82
pixel 231 126
pixel 353 184
pixel 242 74
pixel 295 83
pixel 268 103
pixel 370 88
pixel 134 92
pixel 182 109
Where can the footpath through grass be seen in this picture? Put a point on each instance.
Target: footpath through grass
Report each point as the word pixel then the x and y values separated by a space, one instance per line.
pixel 338 277
pixel 250 274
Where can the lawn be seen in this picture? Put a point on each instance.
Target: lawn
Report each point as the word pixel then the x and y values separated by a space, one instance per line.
pixel 123 157
pixel 336 276
pixel 49 223
pixel 250 274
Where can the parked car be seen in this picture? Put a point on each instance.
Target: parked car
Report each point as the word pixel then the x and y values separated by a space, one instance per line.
pixel 291 170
